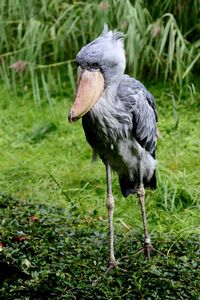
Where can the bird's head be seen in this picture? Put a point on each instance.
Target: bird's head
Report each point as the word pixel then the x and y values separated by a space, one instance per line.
pixel 101 64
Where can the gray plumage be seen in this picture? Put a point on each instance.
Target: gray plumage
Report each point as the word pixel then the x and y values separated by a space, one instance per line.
pixel 119 119
pixel 121 127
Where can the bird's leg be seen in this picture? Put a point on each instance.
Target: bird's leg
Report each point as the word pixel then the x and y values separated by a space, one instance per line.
pixel 141 193
pixel 110 206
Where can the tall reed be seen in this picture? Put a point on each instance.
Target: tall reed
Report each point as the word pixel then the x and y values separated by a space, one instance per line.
pixel 39 40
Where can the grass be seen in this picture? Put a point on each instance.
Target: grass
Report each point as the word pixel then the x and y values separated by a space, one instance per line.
pixel 53 215
pixel 39 39
pixel 53 229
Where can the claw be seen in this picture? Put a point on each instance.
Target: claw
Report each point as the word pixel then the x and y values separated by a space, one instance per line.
pixel 115 264
pixel 112 265
pixel 147 248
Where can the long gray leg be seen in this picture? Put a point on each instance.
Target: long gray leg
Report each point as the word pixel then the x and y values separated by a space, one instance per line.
pixel 141 194
pixel 110 206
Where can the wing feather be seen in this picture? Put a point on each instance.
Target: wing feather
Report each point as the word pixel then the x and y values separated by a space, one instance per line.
pixel 141 104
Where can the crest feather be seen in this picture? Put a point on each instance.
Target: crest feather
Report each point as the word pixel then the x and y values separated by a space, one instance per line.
pixel 114 35
pixel 105 30
pixel 118 35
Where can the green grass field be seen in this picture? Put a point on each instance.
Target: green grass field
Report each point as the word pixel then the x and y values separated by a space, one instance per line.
pixel 53 215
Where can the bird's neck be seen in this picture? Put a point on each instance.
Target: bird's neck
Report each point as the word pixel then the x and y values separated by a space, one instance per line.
pixel 108 101
pixel 110 91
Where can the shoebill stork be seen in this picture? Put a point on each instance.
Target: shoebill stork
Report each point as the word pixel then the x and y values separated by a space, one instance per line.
pixel 119 119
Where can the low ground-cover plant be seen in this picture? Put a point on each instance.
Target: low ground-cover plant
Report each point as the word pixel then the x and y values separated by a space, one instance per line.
pixel 48 252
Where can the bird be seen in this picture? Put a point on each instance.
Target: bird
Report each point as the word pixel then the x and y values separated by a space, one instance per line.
pixel 119 119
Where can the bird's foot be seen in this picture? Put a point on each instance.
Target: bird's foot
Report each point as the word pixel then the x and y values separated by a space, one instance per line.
pixel 146 249
pixel 112 265
pixel 115 264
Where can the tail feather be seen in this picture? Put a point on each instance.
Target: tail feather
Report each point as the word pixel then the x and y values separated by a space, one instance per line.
pixel 131 186
pixel 152 184
pixel 127 186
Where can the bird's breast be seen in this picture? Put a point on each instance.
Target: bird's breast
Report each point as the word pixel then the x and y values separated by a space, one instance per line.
pixel 109 122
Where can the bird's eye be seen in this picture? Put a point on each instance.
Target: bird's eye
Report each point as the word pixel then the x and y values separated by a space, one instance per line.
pixel 94 66
pixel 77 64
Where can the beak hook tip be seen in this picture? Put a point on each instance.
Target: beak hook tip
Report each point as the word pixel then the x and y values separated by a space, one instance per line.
pixel 70 118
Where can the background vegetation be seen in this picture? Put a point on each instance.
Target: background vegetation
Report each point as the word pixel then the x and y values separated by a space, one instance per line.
pixel 161 41
pixel 53 228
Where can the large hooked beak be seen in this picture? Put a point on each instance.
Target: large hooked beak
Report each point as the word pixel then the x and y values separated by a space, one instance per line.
pixel 90 85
